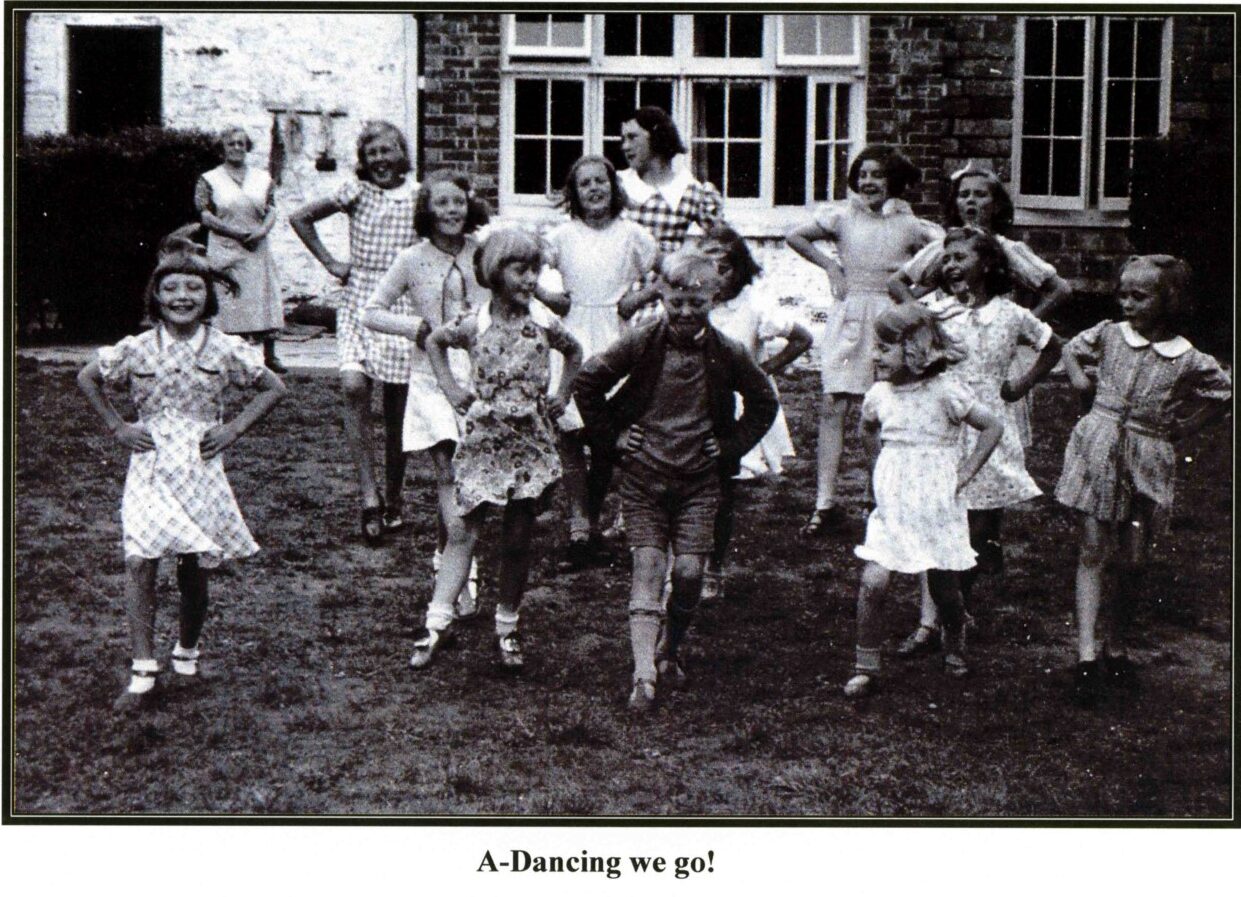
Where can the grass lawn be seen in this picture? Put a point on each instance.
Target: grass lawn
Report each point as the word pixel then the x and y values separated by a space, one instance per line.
pixel 307 706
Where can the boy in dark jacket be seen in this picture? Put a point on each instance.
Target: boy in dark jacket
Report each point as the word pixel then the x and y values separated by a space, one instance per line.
pixel 673 431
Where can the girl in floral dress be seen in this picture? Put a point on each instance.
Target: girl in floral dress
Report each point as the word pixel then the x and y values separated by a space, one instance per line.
pixel 380 206
pixel 507 456
pixel 177 501
pixel 919 523
pixel 875 232
pixel 1151 388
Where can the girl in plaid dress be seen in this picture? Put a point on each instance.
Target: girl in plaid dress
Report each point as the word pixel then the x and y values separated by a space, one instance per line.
pixel 507 456
pixel 380 206
pixel 1151 387
pixel 435 280
pixel 177 500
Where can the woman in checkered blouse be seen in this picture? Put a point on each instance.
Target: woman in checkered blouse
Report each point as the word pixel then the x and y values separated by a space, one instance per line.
pixel 380 206
pixel 177 500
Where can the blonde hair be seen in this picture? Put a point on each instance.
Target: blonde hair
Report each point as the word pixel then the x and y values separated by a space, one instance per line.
pixel 926 348
pixel 690 267
pixel 504 245
pixel 1175 277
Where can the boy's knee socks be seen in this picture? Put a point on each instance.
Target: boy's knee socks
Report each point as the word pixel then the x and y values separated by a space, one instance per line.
pixel 643 634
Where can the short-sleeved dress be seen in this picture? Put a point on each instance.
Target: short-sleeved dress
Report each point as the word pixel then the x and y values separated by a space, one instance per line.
pixel 1030 274
pixel 175 502
pixel 919 522
pixel 872 246
pixel 425 283
pixel 381 224
pixel 255 306
pixel 754 319
pixel 992 334
pixel 508 442
pixel 668 211
pixel 1146 392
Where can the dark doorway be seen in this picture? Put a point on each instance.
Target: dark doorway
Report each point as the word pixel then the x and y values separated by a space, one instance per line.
pixel 114 78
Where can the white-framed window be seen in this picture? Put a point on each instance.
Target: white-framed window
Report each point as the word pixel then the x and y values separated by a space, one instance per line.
pixel 1088 88
pixel 767 130
pixel 550 35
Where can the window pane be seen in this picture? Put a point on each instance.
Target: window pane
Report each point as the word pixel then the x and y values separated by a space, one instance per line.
pixel 790 181
pixel 1038 46
pixel 529 166
pixel 564 154
pixel 531 31
pixel 568 31
pixel 656 93
pixel 744 161
pixel 1068 111
pixel 710 165
pixel 567 108
pixel 822 111
pixel 1116 166
pixel 799 35
pixel 656 34
pixel 1150 48
pixel 620 35
pixel 842 111
pixel 709 110
pixel 1120 47
pixel 710 34
pixel 1070 47
pixel 1036 108
pixel 820 173
pixel 530 107
pixel 1146 109
pixel 1119 96
pixel 612 152
pixel 1035 162
pixel 745 36
pixel 745 111
pixel 1066 167
pixel 836 35
pixel 840 177
pixel 619 101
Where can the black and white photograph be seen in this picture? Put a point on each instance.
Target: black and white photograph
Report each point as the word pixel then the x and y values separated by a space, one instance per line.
pixel 688 415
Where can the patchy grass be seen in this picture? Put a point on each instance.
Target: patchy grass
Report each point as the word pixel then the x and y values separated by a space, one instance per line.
pixel 306 705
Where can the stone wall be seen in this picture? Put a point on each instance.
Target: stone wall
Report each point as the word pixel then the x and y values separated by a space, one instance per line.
pixel 221 68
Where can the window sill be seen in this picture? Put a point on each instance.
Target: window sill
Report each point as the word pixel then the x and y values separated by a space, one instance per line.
pixel 751 223
pixel 1069 218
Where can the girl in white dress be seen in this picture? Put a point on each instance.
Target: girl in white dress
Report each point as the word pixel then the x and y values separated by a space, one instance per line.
pixel 430 284
pixel 601 256
pixel 177 501
pixel 919 523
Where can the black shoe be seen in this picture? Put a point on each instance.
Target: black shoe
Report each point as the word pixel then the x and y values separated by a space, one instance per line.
pixel 923 640
pixel 274 365
pixel 826 521
pixel 1087 683
pixel 373 524
pixel 509 649
pixel 577 555
pixel 1121 672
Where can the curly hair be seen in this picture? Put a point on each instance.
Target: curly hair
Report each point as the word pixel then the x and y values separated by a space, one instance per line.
pixel 690 268
pixel 997 280
pixel 1175 280
pixel 732 247
pixel 227 132
pixel 572 202
pixel 899 172
pixel 1002 203
pixel 665 139
pixel 926 348
pixel 477 213
pixel 502 246
pixel 372 131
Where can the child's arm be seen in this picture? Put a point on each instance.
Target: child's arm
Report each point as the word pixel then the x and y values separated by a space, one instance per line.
pixel 591 386
pixel 796 344
pixel 992 429
pixel 567 345
pixel 1014 388
pixel 218 438
pixel 1207 395
pixel 303 223
pixel 551 292
pixel 438 343
pixel 633 300
pixel 1054 292
pixel 376 313
pixel 868 430
pixel 134 437
pixel 801 240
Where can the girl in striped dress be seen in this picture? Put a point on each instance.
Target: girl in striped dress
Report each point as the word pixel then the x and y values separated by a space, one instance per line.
pixel 177 501
pixel 1151 388
pixel 380 206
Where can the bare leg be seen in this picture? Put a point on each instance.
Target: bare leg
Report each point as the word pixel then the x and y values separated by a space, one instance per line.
pixel 192 583
pixel 1091 562
pixel 394 396
pixel 830 448
pixel 441 458
pixel 356 390
pixel 1135 537
pixel 573 459
pixel 140 606
pixel 515 532
pixel 870 608
pixel 598 478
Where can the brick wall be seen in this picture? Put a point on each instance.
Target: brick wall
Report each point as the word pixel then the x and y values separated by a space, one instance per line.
pixel 1202 77
pixel 461 98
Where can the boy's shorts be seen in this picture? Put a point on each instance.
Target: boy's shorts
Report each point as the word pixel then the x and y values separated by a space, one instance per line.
pixel 662 510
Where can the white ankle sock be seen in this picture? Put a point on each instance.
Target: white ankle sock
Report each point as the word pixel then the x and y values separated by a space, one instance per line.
pixel 506 621
pixel 142 679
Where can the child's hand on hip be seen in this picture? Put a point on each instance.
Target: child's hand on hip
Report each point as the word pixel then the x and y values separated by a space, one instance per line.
pixel 217 439
pixel 711 447
pixel 1013 389
pixel 420 336
pixel 555 407
pixel 631 440
pixel 461 400
pixel 135 437
pixel 340 270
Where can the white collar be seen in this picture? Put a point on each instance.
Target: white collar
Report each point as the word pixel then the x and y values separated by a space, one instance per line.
pixel 672 190
pixel 1169 348
pixel 539 313
pixel 889 208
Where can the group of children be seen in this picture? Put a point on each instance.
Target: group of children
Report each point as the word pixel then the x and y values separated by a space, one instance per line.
pixel 508 360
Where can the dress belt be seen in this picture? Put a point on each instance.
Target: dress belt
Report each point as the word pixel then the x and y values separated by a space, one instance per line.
pixel 1123 414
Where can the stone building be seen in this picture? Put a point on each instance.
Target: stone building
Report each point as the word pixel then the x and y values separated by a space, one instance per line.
pixel 772 106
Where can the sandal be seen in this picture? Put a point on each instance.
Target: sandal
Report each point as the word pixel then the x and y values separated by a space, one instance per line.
pixel 427 645
pixel 393 520
pixel 824 521
pixel 642 698
pixel 956 666
pixel 923 640
pixel 373 523
pixel 861 684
